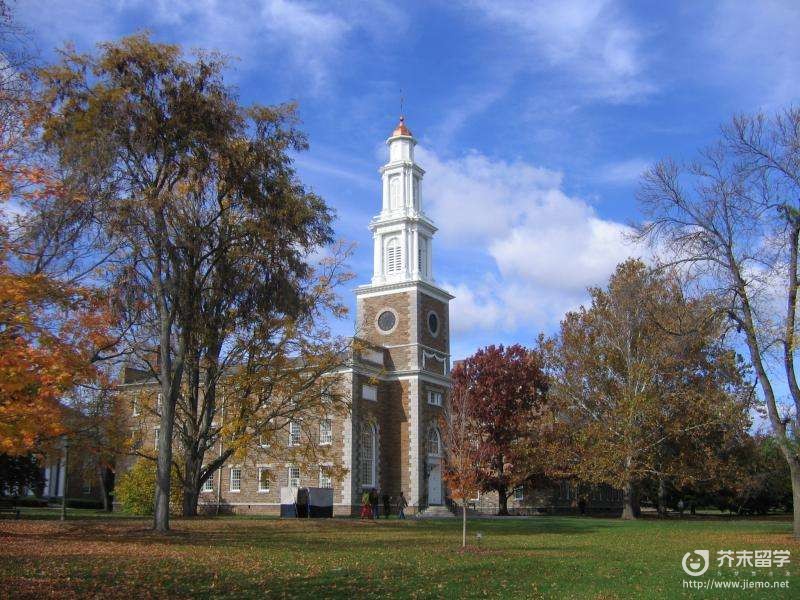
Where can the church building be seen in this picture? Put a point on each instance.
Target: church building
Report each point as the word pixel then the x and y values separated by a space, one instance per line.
pixel 397 379
pixel 406 315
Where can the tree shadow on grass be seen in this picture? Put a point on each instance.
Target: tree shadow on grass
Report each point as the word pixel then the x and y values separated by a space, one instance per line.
pixel 108 577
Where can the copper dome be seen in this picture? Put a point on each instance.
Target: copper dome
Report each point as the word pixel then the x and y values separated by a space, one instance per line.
pixel 401 128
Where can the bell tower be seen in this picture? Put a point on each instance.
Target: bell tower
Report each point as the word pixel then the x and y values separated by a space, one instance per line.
pixel 405 313
pixel 401 232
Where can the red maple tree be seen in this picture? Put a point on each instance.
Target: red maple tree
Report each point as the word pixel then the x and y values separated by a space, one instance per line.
pixel 506 389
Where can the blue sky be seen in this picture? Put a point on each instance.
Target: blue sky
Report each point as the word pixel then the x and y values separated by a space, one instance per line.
pixel 534 119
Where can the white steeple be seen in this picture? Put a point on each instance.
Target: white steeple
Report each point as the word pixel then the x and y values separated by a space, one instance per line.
pixel 402 233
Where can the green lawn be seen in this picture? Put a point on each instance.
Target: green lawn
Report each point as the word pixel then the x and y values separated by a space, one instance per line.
pixel 563 557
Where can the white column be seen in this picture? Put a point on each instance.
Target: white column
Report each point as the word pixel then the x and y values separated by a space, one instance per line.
pixel 415 249
pixel 377 257
pixel 385 200
pixel 408 251
pixel 61 480
pixel 414 475
pixel 429 258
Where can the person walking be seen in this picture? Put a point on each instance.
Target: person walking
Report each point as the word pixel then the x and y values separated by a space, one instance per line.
pixel 366 509
pixel 401 506
pixel 374 497
pixel 387 505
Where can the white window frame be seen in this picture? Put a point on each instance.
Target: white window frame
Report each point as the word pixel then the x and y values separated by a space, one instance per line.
pixel 261 442
pixel 293 481
pixel 431 432
pixel 369 469
pixel 325 479
pixel 159 402
pixel 208 484
pixel 519 493
pixel 395 192
pixel 325 432
pixel 294 436
pixel 393 251
pixel 369 392
pixel 135 408
pixel 156 435
pixel 261 488
pixel 233 479
pixel 435 398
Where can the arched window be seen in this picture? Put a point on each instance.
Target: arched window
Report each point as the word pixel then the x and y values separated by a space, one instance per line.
pixel 368 456
pixel 394 192
pixel 434 442
pixel 394 256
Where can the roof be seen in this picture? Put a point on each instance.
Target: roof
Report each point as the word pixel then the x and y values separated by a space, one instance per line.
pixel 401 128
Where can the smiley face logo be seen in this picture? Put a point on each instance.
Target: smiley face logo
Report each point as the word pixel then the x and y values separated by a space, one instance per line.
pixel 695 563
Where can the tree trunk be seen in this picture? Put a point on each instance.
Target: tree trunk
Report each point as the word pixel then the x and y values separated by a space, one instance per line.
pixel 106 477
pixel 190 498
pixel 502 497
pixel 191 487
pixel 464 523
pixel 662 497
pixel 794 471
pixel 630 508
pixel 164 464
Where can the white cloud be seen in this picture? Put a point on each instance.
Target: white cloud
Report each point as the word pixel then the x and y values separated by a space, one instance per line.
pixel 305 38
pixel 474 308
pixel 547 247
pixel 593 42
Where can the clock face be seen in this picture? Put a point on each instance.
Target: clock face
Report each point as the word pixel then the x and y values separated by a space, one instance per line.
pixel 386 320
pixel 433 323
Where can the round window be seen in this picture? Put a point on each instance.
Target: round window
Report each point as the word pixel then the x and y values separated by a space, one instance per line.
pixel 386 320
pixel 433 323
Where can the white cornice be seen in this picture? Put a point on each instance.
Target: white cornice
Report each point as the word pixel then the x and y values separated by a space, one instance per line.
pixel 399 164
pixel 370 291
pixel 400 219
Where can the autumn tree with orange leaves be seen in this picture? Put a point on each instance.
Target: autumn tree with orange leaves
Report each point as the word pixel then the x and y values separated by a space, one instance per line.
pixel 464 454
pixel 507 390
pixel 51 330
pixel 191 213
pixel 644 386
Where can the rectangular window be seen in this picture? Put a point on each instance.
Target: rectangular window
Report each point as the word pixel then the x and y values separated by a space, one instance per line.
pixel 294 476
pixel 434 398
pixel 325 480
pixel 263 479
pixel 159 403
pixel 135 407
pixel 294 433
pixel 208 484
pixel 155 437
pixel 519 493
pixel 325 433
pixel 87 486
pixel 263 441
pixel 369 392
pixel 236 479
